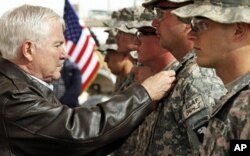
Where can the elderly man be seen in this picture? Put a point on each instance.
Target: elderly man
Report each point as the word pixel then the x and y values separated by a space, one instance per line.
pixel 33 121
pixel 221 33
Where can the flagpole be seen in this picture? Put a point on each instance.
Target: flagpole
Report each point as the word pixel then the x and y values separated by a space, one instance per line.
pixel 134 3
pixel 108 6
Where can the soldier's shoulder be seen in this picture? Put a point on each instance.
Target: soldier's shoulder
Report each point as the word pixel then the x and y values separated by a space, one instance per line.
pixel 193 72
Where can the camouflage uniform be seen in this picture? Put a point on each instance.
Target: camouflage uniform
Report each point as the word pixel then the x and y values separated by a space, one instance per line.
pixel 111 45
pixel 119 18
pixel 130 28
pixel 122 85
pixel 175 127
pixel 130 146
pixel 170 130
pixel 230 119
pixel 149 4
pixel 125 15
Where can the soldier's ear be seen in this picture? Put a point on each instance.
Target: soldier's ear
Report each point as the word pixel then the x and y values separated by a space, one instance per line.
pixel 241 31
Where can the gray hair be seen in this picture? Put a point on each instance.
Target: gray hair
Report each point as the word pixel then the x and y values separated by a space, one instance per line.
pixel 26 22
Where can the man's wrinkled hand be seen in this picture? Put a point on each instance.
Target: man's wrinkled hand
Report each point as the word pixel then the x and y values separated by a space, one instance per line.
pixel 159 84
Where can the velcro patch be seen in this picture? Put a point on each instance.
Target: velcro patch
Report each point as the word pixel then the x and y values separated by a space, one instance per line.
pixel 193 106
pixel 219 125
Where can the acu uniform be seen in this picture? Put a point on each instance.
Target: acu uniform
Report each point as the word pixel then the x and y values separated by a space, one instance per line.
pixel 230 118
pixel 118 21
pixel 177 126
pixel 120 86
pixel 232 111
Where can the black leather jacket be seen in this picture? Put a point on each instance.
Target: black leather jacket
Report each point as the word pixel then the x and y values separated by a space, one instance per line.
pixel 34 123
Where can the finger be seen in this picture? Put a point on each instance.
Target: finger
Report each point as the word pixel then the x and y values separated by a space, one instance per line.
pixel 171 72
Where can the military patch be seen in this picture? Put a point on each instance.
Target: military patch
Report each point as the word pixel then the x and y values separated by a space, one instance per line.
pixel 193 106
pixel 219 125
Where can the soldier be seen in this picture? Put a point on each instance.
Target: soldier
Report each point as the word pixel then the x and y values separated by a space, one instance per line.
pixel 125 38
pixel 221 32
pixel 149 52
pixel 149 49
pixel 119 64
pixel 176 128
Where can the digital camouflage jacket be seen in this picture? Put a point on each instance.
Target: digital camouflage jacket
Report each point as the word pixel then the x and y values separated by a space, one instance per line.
pixel 230 119
pixel 176 127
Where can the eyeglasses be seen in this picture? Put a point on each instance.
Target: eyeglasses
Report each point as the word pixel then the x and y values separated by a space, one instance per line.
pixel 185 20
pixel 198 24
pixel 160 11
pixel 141 33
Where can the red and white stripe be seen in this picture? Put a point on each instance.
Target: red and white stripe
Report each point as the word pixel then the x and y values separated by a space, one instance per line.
pixel 83 54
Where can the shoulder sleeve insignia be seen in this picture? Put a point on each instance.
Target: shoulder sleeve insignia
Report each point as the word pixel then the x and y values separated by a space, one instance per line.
pixel 193 106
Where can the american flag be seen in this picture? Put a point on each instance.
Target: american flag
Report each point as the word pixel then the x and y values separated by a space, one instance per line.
pixel 80 46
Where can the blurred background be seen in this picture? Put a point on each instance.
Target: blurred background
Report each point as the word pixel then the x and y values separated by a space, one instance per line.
pixel 94 12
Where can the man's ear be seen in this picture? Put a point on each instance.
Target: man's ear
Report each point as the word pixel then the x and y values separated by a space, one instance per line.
pixel 241 30
pixel 28 50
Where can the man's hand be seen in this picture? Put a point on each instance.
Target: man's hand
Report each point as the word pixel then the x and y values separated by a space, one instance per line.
pixel 159 84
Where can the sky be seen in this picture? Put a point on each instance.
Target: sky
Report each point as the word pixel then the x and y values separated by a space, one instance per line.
pixel 57 5
pixel 111 4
